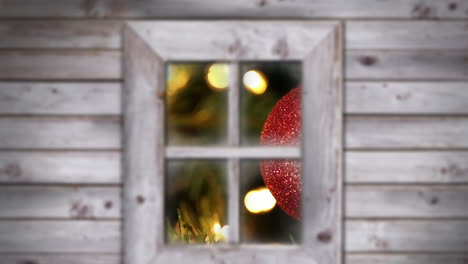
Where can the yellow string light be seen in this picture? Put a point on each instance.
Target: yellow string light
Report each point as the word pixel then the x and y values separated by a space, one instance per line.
pixel 255 82
pixel 259 201
pixel 218 76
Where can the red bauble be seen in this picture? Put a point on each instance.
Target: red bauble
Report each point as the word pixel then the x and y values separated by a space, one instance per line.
pixel 283 177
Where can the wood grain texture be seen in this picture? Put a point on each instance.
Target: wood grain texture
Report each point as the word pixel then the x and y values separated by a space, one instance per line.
pixel 59 236
pixel 406 201
pixel 361 202
pixel 406 167
pixel 59 202
pixel 407 236
pixel 407 98
pixel 59 133
pixel 38 98
pixel 145 42
pixel 143 162
pixel 406 132
pixel 322 149
pixel 60 167
pixel 215 152
pixel 361 236
pixel 232 39
pixel 440 35
pixel 106 65
pixel 406 259
pixel 60 65
pixel 35 34
pixel 406 65
pixel 233 165
pixel 361 64
pixel 150 9
pixel 29 258
pixel 105 34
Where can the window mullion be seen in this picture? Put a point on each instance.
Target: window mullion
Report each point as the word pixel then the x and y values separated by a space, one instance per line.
pixel 233 164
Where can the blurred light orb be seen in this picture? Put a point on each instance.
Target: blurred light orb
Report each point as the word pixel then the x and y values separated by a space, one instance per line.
pixel 255 82
pixel 220 233
pixel 259 201
pixel 177 78
pixel 217 76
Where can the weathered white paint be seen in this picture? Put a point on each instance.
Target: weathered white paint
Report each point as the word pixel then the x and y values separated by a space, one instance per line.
pixel 406 259
pixel 60 98
pixel 59 258
pixel 435 35
pixel 183 9
pixel 376 32
pixel 100 237
pixel 406 201
pixel 407 97
pixel 322 149
pixel 143 163
pixel 59 202
pixel 60 34
pixel 22 167
pixel 232 40
pixel 233 152
pixel 49 236
pixel 406 65
pixel 406 167
pixel 361 201
pixel 51 64
pixel 59 133
pixel 407 236
pixel 406 132
pixel 148 46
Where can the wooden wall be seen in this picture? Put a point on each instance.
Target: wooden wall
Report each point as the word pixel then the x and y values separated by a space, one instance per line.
pixel 406 112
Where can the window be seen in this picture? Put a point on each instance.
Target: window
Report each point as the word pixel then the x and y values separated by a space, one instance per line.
pixel 148 47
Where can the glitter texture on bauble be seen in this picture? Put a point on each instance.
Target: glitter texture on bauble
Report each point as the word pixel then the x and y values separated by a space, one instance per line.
pixel 283 177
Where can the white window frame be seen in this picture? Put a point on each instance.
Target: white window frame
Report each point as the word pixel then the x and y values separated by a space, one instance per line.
pixel 148 46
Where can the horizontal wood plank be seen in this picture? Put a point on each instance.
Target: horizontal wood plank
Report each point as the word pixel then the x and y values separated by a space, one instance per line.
pixel 406 236
pixel 361 132
pixel 361 236
pixel 59 236
pixel 406 167
pixel 58 98
pixel 406 97
pixel 60 65
pixel 406 65
pixel 59 202
pixel 406 201
pixel 406 132
pixel 59 133
pixel 60 167
pixel 106 34
pixel 418 9
pixel 59 259
pixel 406 259
pixel 60 34
pixel 106 65
pixel 442 35
pixel 104 167
pixel 361 201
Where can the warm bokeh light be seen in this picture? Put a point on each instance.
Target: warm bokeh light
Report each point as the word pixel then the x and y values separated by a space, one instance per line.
pixel 177 78
pixel 218 76
pixel 259 200
pixel 220 233
pixel 255 82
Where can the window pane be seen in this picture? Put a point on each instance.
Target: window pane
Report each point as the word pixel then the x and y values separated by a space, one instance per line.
pixel 265 218
pixel 263 85
pixel 195 204
pixel 196 106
